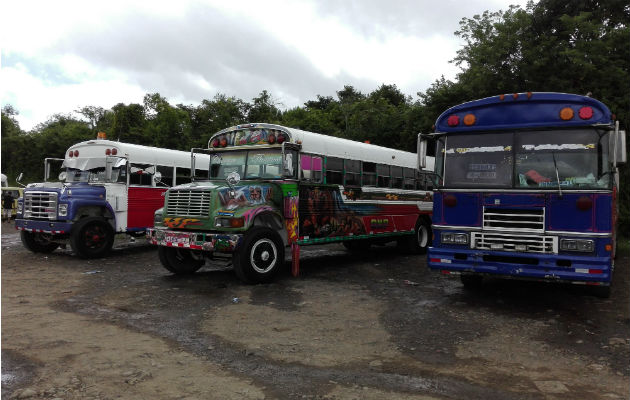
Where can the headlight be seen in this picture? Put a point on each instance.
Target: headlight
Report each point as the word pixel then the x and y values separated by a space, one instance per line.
pixel 63 210
pixel 20 207
pixel 454 238
pixel 158 218
pixel 223 222
pixel 583 245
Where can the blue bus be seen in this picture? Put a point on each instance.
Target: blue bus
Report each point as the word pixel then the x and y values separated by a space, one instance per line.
pixel 528 189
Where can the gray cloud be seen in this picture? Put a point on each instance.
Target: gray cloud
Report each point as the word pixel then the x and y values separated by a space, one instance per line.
pixel 409 17
pixel 235 57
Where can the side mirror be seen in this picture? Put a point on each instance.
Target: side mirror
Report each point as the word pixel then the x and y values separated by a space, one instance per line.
pixel 19 179
pixel 422 152
pixel 157 177
pixel 622 155
pixel 288 164
pixel 233 178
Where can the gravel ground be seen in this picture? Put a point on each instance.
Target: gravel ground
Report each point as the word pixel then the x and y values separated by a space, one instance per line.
pixel 377 325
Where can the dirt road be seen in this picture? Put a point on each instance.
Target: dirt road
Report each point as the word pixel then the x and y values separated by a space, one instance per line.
pixel 374 326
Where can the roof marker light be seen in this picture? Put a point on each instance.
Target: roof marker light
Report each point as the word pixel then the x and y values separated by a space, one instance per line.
pixel 586 113
pixel 566 114
pixel 529 95
pixel 453 120
pixel 76 153
pixel 501 97
pixel 469 119
pixel 114 151
pixel 108 152
pixel 515 96
pixel 70 154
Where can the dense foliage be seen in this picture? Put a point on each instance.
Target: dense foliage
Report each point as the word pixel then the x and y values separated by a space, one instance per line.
pixel 575 46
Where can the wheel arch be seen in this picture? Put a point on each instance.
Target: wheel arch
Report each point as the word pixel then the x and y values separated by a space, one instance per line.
pixel 104 211
pixel 273 221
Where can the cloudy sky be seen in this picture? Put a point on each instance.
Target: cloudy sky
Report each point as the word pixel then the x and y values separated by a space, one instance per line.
pixel 58 56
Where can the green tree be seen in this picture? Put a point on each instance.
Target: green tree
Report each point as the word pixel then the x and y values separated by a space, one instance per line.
pixel 264 109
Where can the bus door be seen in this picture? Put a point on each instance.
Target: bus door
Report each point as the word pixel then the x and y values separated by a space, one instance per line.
pixel 116 170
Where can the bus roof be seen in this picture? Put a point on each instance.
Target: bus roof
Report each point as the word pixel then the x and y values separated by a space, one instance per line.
pixel 524 110
pixel 135 152
pixel 317 143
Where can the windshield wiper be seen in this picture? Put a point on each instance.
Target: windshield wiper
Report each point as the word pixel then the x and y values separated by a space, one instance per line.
pixel 555 165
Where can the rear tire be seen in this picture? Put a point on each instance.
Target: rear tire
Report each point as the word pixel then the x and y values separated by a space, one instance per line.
pixel 260 257
pixel 92 237
pixel 419 242
pixel 180 261
pixel 37 242
pixel 603 292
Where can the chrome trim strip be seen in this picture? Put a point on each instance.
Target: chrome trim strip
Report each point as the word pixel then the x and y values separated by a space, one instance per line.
pixel 585 234
pixel 556 233
pixel 454 227
pixel 517 191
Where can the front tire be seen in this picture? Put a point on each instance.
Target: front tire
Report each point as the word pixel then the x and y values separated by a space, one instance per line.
pixel 38 242
pixel 471 282
pixel 180 261
pixel 92 237
pixel 260 257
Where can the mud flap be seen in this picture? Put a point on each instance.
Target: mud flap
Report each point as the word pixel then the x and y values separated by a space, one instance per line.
pixel 295 259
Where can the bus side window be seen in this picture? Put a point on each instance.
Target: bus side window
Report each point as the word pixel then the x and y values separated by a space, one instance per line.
pixel 397 177
pixel 167 174
pixel 334 170
pixel 201 173
pixel 353 173
pixel 311 168
pixel 141 174
pixel 409 178
pixel 384 175
pixel 182 175
pixel 369 174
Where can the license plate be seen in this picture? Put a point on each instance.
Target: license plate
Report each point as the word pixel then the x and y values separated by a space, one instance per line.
pixel 177 239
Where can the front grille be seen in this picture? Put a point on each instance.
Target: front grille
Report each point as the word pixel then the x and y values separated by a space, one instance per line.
pixel 190 203
pixel 509 242
pixel 40 205
pixel 514 219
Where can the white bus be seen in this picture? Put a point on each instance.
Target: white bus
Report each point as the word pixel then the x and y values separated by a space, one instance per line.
pixel 105 187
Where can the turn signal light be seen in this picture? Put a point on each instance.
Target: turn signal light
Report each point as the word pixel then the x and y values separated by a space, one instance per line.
pixel 453 120
pixel 586 113
pixel 469 119
pixel 566 114
pixel 584 203
pixel 450 200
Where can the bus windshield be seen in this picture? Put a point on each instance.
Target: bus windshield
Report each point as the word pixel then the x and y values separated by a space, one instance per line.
pixel 538 159
pixel 94 175
pixel 249 164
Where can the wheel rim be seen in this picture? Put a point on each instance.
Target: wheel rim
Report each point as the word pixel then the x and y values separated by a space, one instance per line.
pixel 423 236
pixel 94 237
pixel 263 255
